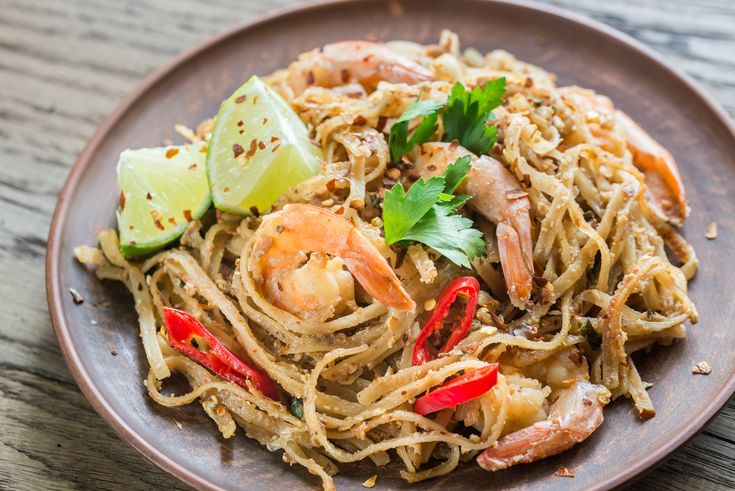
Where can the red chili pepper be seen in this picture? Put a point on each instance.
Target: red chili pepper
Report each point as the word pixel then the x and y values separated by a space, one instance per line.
pixel 467 285
pixel 457 391
pixel 182 327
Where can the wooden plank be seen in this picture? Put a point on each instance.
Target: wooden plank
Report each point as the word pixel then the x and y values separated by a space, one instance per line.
pixel 63 68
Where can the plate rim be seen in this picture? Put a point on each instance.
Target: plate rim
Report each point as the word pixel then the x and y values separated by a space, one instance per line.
pixel 55 290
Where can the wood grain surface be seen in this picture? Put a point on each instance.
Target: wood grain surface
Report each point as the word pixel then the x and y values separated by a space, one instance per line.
pixel 63 67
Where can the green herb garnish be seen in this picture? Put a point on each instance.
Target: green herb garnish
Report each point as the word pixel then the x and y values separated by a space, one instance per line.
pixel 297 407
pixel 399 141
pixel 466 115
pixel 427 214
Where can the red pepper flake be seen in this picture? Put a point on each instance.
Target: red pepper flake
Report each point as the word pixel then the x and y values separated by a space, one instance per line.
pixel 237 150
pixel 172 220
pixel 121 201
pixel 252 149
pixel 331 185
pixel 345 74
pixel 241 132
pixel 171 153
pixel 265 121
pixel 255 100
pixel 148 196
pixel 240 123
pixel 241 99
pixel 226 189
pixel 192 167
pixel 382 120
pixel 158 224
pixel 340 210
pixel 360 120
pixel 276 147
pixel 130 227
pixel 187 215
pixel 254 210
pixel 261 145
pixel 274 139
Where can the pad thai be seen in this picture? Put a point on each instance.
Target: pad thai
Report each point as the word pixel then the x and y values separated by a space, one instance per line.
pixel 404 252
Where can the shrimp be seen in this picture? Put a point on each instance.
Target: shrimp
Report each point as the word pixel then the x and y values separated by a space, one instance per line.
pixel 664 185
pixel 279 263
pixel 658 165
pixel 346 62
pixel 496 195
pixel 574 416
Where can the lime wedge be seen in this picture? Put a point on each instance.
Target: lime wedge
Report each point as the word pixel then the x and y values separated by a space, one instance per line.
pixel 161 190
pixel 259 148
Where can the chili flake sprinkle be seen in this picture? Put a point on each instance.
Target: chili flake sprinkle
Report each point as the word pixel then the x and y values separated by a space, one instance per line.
pixel 171 153
pixel 241 99
pixel 187 215
pixel 253 148
pixel 237 150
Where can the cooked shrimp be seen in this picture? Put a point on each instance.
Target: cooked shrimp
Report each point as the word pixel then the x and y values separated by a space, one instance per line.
pixel 279 262
pixel 346 62
pixel 658 165
pixel 496 195
pixel 663 182
pixel 574 416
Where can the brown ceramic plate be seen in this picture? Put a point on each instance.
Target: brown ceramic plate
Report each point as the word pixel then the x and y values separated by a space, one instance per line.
pixel 579 51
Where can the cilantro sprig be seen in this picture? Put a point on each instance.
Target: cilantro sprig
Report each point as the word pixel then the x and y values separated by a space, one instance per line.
pixel 426 213
pixel 465 118
pixel 399 141
pixel 467 114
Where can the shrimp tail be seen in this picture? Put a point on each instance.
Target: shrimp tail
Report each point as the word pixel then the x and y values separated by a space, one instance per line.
pixel 575 415
pixel 663 181
pixel 518 275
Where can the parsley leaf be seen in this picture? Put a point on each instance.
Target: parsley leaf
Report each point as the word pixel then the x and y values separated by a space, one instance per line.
pixel 450 235
pixel 466 115
pixel 402 210
pixel 426 213
pixel 399 141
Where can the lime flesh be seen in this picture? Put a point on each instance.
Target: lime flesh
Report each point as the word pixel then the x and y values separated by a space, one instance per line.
pixel 259 148
pixel 161 190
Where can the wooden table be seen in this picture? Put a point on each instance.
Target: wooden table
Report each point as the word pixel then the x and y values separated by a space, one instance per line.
pixel 63 67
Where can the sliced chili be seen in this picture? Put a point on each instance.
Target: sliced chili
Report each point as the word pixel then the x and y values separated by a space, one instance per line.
pixel 182 327
pixel 459 390
pixel 466 285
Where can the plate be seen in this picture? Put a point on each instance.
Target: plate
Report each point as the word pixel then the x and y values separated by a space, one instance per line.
pixel 579 51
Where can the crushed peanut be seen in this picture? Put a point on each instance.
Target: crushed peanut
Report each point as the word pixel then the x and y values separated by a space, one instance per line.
pixel 393 174
pixel 370 481
pixel 711 232
pixel 564 472
pixel 702 368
